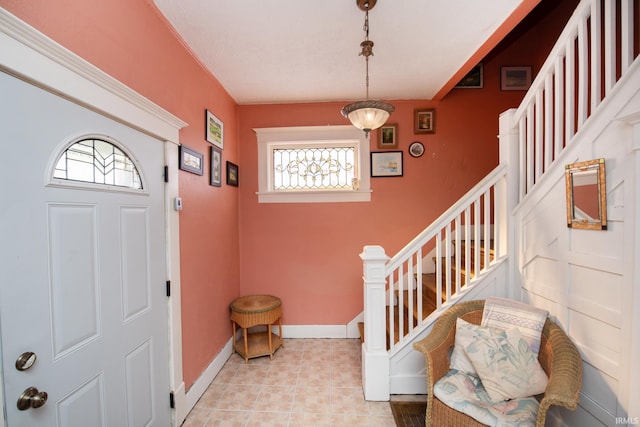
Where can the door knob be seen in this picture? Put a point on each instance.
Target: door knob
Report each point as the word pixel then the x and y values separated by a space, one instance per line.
pixel 31 398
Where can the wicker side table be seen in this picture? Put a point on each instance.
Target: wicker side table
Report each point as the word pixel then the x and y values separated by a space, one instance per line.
pixel 256 310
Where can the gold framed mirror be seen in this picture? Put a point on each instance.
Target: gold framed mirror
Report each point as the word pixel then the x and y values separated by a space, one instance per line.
pixel 586 195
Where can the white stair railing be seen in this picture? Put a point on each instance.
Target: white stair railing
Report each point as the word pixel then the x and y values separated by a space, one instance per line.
pixel 389 327
pixel 593 52
pixel 467 224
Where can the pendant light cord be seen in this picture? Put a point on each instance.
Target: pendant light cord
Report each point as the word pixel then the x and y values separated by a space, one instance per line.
pixel 367 48
pixel 366 54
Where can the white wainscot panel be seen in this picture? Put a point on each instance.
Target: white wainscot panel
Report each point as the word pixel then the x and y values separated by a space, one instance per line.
pixel 540 276
pixel 596 293
pixel 615 198
pixel 136 292
pixel 599 391
pixel 557 311
pixel 140 391
pixel 542 226
pixel 581 417
pixel 75 316
pixel 84 406
pixel 614 155
pixel 598 249
pixel 598 342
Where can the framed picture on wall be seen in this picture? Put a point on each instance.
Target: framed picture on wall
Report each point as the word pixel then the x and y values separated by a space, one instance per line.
pixel 388 136
pixel 473 79
pixel 386 163
pixel 232 174
pixel 191 160
pixel 214 130
pixel 424 120
pixel 215 171
pixel 515 78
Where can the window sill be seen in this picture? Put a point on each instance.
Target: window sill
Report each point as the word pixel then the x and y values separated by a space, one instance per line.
pixel 315 196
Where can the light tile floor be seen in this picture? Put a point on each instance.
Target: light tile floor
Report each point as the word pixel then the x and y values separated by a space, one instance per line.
pixel 309 382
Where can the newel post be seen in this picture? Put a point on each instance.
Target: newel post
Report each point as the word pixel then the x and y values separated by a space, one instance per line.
pixel 375 358
pixel 509 196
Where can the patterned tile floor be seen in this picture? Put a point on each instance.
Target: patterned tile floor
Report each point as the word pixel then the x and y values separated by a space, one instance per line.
pixel 309 382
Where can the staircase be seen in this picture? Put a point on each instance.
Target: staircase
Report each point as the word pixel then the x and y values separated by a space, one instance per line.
pixel 474 242
pixel 429 292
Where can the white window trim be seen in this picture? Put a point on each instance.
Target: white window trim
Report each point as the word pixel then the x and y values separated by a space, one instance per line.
pixel 271 137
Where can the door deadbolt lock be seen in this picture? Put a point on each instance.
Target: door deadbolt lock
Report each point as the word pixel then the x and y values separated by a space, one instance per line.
pixel 31 398
pixel 25 361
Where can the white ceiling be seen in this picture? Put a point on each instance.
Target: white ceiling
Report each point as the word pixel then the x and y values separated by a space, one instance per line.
pixel 281 51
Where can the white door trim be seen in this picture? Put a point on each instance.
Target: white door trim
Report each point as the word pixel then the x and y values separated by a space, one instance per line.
pixel 30 55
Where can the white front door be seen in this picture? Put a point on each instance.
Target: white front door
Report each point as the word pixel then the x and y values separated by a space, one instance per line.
pixel 82 273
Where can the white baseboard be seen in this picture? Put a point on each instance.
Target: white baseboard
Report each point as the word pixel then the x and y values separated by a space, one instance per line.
pixel 314 331
pixel 352 327
pixel 202 383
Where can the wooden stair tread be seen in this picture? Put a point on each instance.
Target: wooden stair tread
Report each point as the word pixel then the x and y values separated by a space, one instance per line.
pixel 428 298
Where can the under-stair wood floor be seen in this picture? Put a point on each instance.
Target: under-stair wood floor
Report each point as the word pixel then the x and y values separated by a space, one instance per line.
pixel 309 382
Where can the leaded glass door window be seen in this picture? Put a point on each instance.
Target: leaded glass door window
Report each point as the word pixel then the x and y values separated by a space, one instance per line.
pixel 97 161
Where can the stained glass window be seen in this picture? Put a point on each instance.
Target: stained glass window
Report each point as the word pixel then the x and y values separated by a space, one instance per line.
pixel 313 164
pixel 313 168
pixel 97 161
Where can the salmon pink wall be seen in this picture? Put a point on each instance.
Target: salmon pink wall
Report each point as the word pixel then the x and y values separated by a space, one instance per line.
pixel 131 41
pixel 307 254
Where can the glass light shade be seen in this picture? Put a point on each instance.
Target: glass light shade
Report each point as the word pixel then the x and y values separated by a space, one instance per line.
pixel 368 115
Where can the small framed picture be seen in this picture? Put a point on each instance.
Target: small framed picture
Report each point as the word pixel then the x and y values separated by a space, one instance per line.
pixel 232 174
pixel 388 136
pixel 191 160
pixel 424 121
pixel 473 79
pixel 214 130
pixel 515 78
pixel 215 172
pixel 386 163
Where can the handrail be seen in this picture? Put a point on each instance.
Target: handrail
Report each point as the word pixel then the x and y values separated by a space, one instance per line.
pixel 486 183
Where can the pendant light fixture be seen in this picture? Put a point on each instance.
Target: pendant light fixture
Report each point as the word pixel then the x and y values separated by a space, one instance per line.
pixel 367 115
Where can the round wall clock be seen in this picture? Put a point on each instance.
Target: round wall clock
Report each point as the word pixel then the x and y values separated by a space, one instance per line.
pixel 416 149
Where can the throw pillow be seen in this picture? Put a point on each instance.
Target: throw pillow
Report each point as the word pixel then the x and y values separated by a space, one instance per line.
pixel 506 366
pixel 464 393
pixel 504 314
pixel 466 333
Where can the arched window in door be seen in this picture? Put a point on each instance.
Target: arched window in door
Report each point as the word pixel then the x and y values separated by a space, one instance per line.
pixel 97 161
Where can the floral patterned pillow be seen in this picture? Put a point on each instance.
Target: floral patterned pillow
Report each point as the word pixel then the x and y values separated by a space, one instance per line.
pixel 464 393
pixel 506 366
pixel 504 314
pixel 466 333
